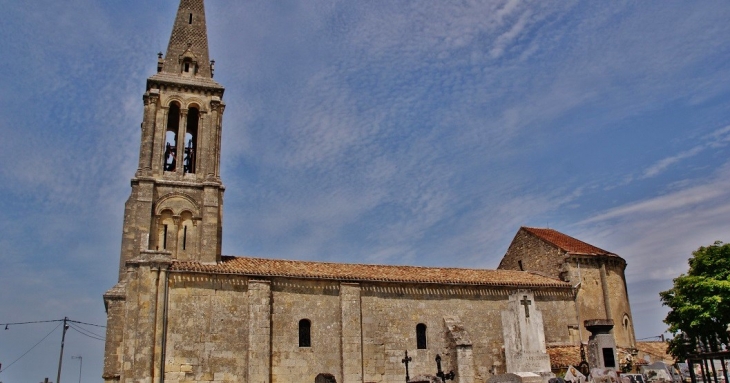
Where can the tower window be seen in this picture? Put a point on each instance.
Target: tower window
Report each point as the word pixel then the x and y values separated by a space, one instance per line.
pixel 187 67
pixel 305 327
pixel 520 263
pixel 421 336
pixel 164 238
pixel 190 19
pixel 173 122
pixel 191 136
pixel 185 236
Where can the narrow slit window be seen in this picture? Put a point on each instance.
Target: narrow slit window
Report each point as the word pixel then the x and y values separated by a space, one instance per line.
pixel 421 336
pixel 190 19
pixel 187 67
pixel 520 263
pixel 305 327
pixel 185 236
pixel 164 238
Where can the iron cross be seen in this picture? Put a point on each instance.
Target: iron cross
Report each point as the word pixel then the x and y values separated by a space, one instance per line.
pixel 405 361
pixel 440 373
pixel 526 303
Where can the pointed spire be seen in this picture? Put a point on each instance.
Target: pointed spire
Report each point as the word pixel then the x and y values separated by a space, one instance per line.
pixel 187 51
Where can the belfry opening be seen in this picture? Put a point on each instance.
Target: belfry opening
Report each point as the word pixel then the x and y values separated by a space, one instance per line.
pixel 173 123
pixel 191 136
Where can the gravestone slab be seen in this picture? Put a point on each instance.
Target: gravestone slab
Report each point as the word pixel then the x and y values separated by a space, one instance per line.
pixel 524 335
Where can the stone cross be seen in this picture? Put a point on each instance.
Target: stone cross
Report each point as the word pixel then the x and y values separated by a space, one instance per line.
pixel 405 361
pixel 526 303
pixel 440 373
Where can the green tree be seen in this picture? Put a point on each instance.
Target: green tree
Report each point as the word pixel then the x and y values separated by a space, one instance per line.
pixel 699 301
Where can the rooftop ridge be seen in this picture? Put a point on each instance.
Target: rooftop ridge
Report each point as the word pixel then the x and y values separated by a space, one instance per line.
pixel 566 242
pixel 368 272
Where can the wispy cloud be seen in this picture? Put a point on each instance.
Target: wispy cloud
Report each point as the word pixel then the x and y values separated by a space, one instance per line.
pixel 717 139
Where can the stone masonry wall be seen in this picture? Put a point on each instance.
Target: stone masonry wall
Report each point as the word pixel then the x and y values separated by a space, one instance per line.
pixel 591 296
pixel 535 255
pixel 620 308
pixel 115 338
pixel 140 310
pixel 224 328
pixel 558 315
pixel 207 332
pixel 319 302
pixel 391 313
pixel 351 339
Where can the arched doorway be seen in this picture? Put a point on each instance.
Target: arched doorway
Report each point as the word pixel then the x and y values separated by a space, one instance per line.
pixel 325 378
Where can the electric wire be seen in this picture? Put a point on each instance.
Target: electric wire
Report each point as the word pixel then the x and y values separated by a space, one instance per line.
pixel 87 335
pixel 51 320
pixel 651 337
pixel 88 324
pixel 87 331
pixel 81 331
pixel 34 346
pixel 38 321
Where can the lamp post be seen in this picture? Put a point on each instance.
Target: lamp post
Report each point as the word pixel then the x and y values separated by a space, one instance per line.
pixel 81 363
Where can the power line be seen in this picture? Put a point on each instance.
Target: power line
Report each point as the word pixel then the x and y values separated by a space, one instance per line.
pixel 88 324
pixel 652 337
pixel 39 342
pixel 88 331
pixel 38 321
pixel 86 334
pixel 47 321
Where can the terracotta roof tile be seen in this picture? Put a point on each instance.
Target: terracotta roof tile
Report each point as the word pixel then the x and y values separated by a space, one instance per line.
pixel 566 242
pixel 658 350
pixel 360 272
pixel 564 356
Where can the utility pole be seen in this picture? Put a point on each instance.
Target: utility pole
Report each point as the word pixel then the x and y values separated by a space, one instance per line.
pixel 60 358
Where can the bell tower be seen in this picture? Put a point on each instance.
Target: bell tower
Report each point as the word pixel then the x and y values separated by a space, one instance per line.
pixel 176 205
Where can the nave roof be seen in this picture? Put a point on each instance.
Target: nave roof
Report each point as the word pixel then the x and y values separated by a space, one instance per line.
pixel 264 267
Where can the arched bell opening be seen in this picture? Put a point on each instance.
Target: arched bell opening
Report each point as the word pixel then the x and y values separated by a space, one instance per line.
pixel 191 140
pixel 173 123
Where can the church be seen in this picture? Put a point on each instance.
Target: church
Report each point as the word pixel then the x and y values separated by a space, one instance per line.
pixel 183 312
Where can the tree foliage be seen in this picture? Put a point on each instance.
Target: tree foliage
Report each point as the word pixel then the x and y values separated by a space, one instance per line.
pixel 699 301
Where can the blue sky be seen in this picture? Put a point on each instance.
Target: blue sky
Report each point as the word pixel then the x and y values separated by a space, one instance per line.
pixel 379 132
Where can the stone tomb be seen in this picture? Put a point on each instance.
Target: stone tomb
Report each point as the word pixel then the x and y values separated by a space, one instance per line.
pixel 524 336
pixel 601 344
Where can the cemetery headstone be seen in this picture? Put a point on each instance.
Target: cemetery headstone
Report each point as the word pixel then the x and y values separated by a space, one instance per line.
pixel 524 335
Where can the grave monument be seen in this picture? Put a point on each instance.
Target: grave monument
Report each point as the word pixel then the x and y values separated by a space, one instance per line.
pixel 601 344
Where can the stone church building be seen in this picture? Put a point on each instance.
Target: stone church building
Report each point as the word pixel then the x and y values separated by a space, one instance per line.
pixel 182 312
